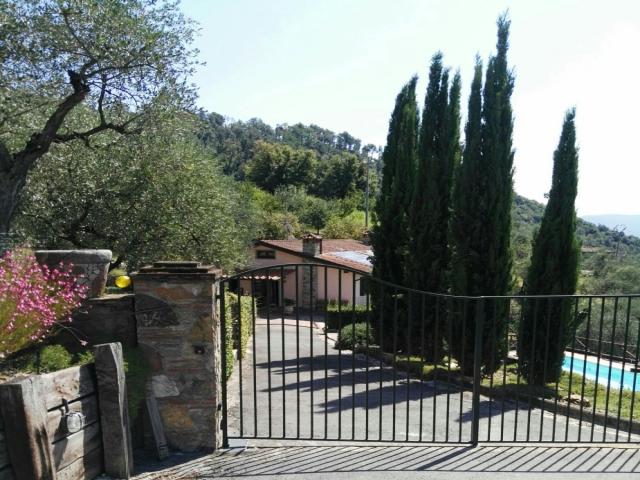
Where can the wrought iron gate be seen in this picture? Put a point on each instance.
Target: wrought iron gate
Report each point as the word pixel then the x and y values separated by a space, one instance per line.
pixel 320 352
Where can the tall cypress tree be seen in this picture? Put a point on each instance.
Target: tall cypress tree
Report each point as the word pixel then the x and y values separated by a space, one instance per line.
pixel 389 238
pixel 438 154
pixel 549 324
pixel 484 194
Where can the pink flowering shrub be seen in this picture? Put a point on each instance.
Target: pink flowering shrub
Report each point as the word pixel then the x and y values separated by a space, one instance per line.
pixel 33 298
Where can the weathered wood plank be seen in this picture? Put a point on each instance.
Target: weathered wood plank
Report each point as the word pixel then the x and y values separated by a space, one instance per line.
pixel 68 384
pixel 85 468
pixel 75 446
pixel 25 415
pixel 4 454
pixel 56 426
pixel 156 425
pixel 114 411
pixel 6 473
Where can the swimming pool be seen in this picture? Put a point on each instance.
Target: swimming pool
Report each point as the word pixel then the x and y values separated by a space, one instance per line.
pixel 627 379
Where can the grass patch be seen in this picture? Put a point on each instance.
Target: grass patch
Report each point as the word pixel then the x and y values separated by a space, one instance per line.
pixel 512 386
pixel 594 393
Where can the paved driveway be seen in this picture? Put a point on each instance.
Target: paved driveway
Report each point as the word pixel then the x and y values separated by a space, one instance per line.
pixel 305 403
pixel 300 387
pixel 406 462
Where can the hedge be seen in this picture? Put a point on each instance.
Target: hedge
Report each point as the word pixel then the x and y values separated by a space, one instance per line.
pixel 346 316
pixel 237 338
pixel 348 341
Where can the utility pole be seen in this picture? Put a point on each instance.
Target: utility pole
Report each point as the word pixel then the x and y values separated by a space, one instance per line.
pixel 366 197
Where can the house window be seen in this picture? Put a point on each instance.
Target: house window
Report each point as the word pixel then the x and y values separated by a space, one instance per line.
pixel 364 286
pixel 266 254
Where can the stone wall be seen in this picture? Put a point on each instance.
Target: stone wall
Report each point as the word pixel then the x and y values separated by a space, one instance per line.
pixel 105 319
pixel 179 333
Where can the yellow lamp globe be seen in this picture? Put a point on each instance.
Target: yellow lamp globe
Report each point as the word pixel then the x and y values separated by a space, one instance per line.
pixel 123 281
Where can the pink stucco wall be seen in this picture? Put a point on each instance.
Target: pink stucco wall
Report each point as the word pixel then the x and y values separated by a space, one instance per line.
pixel 289 283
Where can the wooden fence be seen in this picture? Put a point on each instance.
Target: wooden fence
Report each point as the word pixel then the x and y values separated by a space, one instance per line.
pixel 39 413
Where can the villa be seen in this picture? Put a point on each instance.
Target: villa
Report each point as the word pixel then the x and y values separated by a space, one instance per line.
pixel 350 259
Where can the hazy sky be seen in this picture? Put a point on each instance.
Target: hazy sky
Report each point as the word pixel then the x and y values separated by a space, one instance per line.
pixel 340 63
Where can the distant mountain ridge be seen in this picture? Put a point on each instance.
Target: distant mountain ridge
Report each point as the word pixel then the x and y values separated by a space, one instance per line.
pixel 527 215
pixel 630 223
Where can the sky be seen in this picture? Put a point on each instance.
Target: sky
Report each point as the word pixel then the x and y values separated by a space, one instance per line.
pixel 339 64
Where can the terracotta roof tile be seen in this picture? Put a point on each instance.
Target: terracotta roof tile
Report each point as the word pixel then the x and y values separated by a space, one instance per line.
pixel 329 248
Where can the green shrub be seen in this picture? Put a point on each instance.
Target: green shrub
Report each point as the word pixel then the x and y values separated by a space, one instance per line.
pixel 83 358
pixel 52 358
pixel 238 327
pixel 348 341
pixel 337 318
pixel 137 374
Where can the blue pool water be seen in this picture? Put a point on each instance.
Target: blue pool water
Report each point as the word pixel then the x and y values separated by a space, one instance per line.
pixel 627 379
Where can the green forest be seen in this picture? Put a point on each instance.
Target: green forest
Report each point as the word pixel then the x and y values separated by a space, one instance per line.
pixel 111 151
pixel 98 198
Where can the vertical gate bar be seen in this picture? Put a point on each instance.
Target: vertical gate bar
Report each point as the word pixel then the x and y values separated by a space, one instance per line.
pixel 284 383
pixel 381 342
pixel 422 356
pixel 447 318
pixel 504 368
pixel 523 306
pixel 492 364
pixel 311 357
pixel 464 342
pixel 255 382
pixel 353 356
pixel 223 342
pixel 297 307
pixel 595 395
pixel 477 370
pixel 560 354
pixel 269 406
pixel 339 354
pixel 544 363
pixel 624 361
pixel 408 354
pixel 611 353
pixel 367 346
pixel 238 335
pixel 573 351
pixel 584 367
pixel 532 365
pixel 633 389
pixel 326 354
pixel 435 366
pixel 395 359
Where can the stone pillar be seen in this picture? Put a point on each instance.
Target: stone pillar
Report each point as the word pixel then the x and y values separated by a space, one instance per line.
pixel 311 247
pixel 180 335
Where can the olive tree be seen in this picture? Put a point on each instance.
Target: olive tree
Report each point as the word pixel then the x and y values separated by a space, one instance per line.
pixel 157 195
pixel 116 58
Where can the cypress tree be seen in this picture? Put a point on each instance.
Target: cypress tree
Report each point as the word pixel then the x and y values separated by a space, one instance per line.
pixel 389 238
pixel 548 325
pixel 438 154
pixel 484 195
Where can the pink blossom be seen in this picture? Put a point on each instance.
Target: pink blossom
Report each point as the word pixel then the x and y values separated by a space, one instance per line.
pixel 33 298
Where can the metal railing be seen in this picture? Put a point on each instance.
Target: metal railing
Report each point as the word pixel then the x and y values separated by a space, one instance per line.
pixel 404 365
